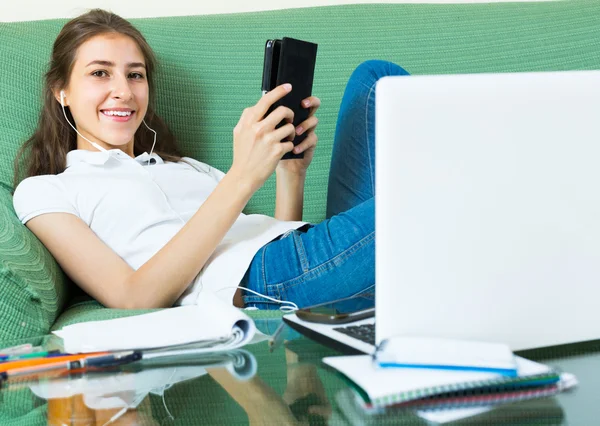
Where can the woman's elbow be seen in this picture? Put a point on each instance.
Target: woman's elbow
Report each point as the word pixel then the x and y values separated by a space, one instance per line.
pixel 129 301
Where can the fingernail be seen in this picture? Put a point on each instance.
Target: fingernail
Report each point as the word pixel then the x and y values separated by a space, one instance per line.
pixel 299 130
pixel 287 86
pixel 296 150
pixel 306 103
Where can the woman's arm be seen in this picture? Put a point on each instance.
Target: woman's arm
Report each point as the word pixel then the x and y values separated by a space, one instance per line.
pixel 289 199
pixel 291 174
pixel 163 278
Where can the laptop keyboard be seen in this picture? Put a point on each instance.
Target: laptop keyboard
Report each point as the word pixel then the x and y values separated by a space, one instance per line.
pixel 364 332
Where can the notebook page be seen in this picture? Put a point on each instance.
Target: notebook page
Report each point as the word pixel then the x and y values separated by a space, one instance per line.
pixel 210 319
pixel 408 382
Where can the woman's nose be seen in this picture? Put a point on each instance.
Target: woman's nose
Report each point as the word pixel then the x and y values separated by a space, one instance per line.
pixel 122 90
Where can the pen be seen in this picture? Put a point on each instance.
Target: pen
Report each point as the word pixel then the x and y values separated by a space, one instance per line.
pixel 99 361
pixel 21 363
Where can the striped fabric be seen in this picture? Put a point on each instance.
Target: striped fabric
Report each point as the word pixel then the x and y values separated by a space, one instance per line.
pixel 211 67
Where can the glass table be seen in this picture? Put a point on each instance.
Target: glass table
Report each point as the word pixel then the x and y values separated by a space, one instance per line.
pixel 257 385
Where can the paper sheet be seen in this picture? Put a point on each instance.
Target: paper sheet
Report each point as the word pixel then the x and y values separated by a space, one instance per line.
pixel 210 319
pixel 454 353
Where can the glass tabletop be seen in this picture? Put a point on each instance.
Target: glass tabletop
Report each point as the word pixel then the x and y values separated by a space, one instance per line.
pixel 260 384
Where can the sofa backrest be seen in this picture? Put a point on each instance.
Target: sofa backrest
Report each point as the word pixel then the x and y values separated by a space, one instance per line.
pixel 211 66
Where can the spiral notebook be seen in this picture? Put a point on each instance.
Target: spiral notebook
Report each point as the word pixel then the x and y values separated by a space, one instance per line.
pixel 544 410
pixel 490 396
pixel 381 388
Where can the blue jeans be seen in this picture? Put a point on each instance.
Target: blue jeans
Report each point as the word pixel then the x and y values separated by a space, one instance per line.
pixel 336 258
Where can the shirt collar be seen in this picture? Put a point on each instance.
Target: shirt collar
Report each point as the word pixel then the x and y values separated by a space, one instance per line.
pixel 99 158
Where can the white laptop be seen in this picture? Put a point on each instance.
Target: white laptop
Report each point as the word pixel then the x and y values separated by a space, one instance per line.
pixel 487 209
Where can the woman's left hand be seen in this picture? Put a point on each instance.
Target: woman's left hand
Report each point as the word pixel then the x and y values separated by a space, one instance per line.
pixel 308 145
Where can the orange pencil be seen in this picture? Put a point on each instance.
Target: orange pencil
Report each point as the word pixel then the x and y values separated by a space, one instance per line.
pixel 81 363
pixel 33 362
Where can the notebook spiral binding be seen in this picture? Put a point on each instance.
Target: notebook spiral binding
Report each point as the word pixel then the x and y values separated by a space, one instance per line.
pixel 473 389
pixel 481 399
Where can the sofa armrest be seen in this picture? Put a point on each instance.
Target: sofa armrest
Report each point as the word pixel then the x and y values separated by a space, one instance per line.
pixel 33 288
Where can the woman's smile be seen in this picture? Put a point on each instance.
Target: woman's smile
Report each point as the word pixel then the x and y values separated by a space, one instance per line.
pixel 118 114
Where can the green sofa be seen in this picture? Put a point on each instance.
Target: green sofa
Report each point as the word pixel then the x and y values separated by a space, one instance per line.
pixel 210 69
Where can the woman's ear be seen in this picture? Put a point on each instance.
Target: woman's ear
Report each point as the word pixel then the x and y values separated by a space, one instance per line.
pixel 61 97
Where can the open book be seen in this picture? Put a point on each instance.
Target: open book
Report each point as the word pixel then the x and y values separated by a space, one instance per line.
pixel 211 325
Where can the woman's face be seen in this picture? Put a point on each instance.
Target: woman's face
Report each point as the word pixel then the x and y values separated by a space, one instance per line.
pixel 107 92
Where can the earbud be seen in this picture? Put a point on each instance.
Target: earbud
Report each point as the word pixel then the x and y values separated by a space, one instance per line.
pixel 62 96
pixel 154 143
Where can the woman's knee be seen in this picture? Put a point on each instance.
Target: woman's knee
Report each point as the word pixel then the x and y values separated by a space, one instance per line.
pixel 368 72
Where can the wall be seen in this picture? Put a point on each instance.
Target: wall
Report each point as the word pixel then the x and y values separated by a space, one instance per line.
pixel 27 10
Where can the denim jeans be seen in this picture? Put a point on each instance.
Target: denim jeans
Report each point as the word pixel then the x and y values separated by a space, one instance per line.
pixel 336 258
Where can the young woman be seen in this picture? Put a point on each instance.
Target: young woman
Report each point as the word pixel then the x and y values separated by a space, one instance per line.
pixel 135 225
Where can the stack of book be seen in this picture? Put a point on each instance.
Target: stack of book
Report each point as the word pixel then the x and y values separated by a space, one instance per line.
pixel 415 376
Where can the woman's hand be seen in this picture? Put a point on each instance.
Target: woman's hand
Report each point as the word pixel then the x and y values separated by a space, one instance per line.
pixel 257 146
pixel 298 166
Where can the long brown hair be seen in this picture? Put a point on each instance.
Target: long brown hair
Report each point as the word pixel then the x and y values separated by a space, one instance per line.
pixel 47 148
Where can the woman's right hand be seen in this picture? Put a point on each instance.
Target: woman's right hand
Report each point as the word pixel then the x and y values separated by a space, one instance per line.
pixel 257 146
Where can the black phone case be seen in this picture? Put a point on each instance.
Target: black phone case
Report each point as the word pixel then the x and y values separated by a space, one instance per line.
pixel 296 65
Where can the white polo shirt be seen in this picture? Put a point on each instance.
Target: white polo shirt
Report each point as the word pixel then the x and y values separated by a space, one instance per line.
pixel 136 208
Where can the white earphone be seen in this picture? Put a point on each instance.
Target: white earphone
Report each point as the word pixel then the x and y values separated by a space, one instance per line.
pixel 98 147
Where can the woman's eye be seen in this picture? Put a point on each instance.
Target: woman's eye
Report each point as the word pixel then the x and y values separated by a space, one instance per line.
pixel 136 75
pixel 99 73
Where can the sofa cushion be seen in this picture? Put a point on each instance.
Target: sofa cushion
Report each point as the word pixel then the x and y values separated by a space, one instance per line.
pixel 33 289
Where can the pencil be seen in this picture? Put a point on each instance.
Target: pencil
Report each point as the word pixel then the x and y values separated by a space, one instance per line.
pixel 96 361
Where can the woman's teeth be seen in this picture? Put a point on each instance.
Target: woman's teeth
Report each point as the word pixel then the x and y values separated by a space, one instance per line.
pixel 119 113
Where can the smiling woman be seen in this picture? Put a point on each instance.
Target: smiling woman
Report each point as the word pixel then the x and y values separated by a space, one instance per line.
pixel 139 227
pixel 81 67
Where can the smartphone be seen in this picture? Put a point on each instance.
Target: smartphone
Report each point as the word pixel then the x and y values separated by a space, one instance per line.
pixel 340 311
pixel 269 79
pixel 290 61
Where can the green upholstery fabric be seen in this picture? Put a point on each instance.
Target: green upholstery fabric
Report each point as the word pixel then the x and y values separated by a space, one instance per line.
pixel 32 286
pixel 210 69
